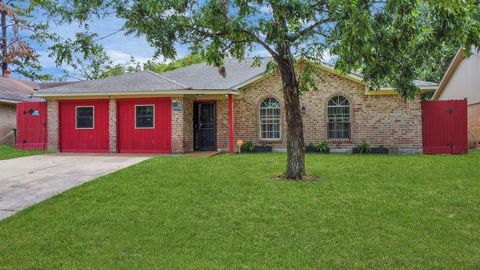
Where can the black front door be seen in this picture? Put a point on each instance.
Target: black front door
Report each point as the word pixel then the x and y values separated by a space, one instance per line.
pixel 204 126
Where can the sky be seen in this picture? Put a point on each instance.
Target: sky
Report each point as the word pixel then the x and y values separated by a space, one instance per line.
pixel 119 47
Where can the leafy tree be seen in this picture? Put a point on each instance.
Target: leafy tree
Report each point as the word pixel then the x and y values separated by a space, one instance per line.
pixel 388 41
pixel 101 67
pixel 18 31
pixel 190 59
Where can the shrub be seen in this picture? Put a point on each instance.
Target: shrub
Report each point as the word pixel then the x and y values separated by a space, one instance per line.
pixel 364 147
pixel 323 147
pixel 248 146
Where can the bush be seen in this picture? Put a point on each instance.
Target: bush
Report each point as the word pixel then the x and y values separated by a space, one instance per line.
pixel 364 147
pixel 248 146
pixel 322 147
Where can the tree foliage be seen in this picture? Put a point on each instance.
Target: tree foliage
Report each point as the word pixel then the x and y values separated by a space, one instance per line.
pixel 188 60
pixel 18 31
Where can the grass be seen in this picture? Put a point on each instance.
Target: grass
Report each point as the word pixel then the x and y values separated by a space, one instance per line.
pixel 8 152
pixel 224 212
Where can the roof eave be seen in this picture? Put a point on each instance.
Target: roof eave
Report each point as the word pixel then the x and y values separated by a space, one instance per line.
pixel 172 92
pixel 9 101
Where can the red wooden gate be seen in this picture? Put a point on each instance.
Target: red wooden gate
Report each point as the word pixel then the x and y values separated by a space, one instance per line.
pixel 445 127
pixel 31 125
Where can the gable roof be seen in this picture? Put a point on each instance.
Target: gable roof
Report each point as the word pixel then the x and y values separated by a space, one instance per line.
pixel 194 79
pixel 459 56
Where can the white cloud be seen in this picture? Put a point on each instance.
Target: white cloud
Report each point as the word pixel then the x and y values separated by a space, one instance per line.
pixel 120 57
pixel 327 57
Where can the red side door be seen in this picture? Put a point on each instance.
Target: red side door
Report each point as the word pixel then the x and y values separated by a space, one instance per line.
pixel 31 125
pixel 144 125
pixel 84 126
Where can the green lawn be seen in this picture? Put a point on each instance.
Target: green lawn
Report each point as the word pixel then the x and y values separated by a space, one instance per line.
pixel 364 212
pixel 8 152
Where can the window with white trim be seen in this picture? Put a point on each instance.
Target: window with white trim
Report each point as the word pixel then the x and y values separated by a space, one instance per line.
pixel 270 119
pixel 84 117
pixel 338 118
pixel 144 116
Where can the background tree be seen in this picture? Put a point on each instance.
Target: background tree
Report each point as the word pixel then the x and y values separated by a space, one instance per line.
pixel 388 41
pixel 188 60
pixel 17 31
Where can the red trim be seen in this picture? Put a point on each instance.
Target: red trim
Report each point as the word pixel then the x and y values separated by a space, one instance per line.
pixel 117 128
pixel 231 143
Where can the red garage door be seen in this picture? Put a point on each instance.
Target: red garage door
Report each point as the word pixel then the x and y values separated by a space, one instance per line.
pixel 84 126
pixel 144 125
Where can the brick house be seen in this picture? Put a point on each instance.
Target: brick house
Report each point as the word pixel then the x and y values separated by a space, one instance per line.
pixel 462 81
pixel 12 92
pixel 194 108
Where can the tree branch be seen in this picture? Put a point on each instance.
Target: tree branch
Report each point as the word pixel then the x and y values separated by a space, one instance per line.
pixel 307 30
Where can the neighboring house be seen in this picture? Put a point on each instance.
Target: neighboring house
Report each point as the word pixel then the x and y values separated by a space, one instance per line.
pixel 194 108
pixel 13 91
pixel 462 80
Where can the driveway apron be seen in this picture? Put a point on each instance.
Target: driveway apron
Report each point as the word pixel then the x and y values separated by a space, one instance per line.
pixel 29 180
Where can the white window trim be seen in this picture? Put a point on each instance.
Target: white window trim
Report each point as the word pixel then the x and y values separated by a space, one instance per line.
pixel 349 118
pixel 260 122
pixel 135 116
pixel 93 116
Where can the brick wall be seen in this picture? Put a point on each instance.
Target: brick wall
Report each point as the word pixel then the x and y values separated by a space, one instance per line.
pixel 187 124
pixel 380 120
pixel 222 124
pixel 112 125
pixel 474 125
pixel 177 128
pixel 52 123
pixel 8 121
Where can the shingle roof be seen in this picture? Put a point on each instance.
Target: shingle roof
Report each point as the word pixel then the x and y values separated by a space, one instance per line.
pixel 194 77
pixel 16 90
pixel 202 76
pixel 142 81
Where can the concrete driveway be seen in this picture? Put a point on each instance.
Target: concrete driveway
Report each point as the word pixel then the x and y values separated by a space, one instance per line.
pixel 29 180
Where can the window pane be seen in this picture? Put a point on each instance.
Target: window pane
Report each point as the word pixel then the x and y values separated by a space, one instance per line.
pixel 144 116
pixel 84 117
pixel 270 119
pixel 338 110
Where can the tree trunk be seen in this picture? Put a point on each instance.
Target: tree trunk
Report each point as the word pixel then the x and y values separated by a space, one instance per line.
pixel 295 141
pixel 3 22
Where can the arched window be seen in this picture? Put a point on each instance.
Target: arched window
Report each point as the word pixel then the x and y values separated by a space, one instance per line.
pixel 270 119
pixel 338 118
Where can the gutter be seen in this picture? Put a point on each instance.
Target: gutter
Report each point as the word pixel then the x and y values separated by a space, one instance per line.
pixel 9 101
